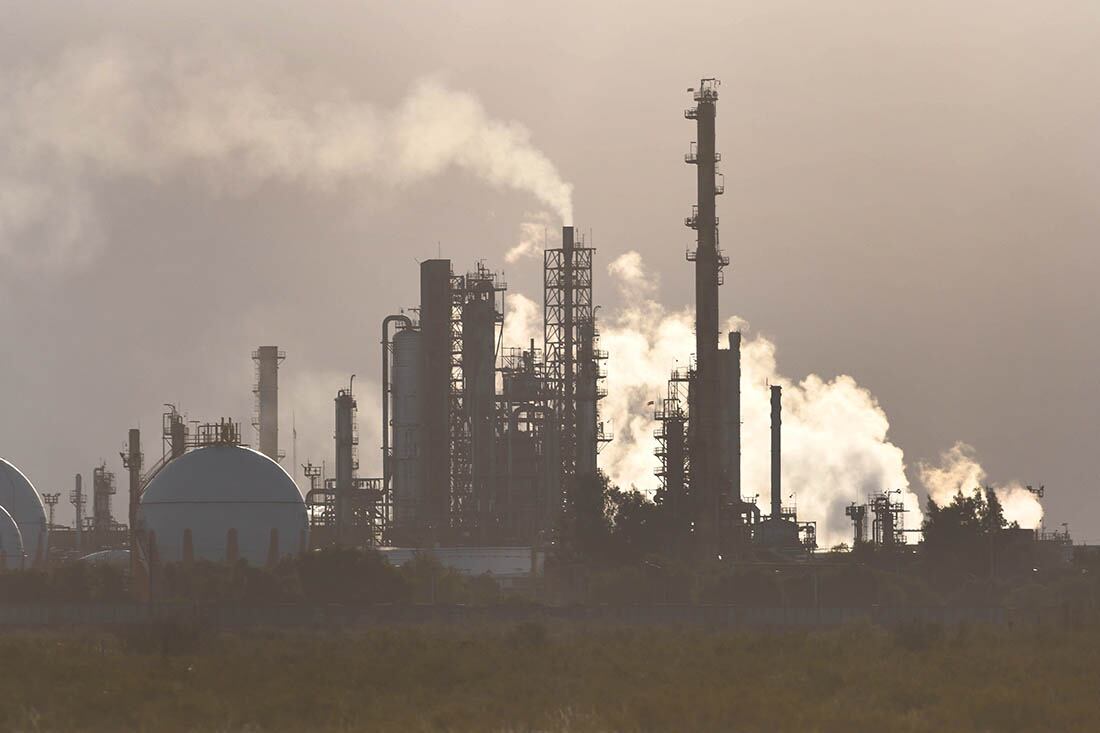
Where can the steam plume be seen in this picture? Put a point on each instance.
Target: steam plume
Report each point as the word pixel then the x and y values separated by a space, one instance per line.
pixel 959 470
pixel 532 231
pixel 110 111
pixel 835 444
pixel 836 447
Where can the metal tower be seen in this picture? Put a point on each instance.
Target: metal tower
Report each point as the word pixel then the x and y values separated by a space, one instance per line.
pixel 568 323
pixel 708 480
pixel 478 319
pixel 50 501
pixel 672 451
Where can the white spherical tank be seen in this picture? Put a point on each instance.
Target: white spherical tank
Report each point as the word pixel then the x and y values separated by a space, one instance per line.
pixel 25 506
pixel 205 501
pixel 11 543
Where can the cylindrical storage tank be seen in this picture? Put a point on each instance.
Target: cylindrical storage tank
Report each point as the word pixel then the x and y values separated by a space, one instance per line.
pixel 222 491
pixel 11 543
pixel 406 425
pixel 25 506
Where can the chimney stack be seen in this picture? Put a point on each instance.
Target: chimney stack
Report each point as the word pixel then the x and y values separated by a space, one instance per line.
pixel 777 491
pixel 267 399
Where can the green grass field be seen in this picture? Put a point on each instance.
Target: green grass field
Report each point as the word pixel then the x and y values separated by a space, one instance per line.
pixel 530 677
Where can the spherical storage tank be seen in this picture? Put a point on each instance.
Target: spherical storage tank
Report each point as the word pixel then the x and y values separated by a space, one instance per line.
pixel 214 493
pixel 11 543
pixel 25 506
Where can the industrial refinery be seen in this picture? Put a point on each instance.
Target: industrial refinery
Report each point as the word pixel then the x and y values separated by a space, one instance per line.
pixel 487 450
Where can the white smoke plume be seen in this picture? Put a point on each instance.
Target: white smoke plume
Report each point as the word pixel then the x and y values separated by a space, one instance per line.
pixel 959 470
pixel 836 447
pixel 112 110
pixel 522 321
pixel 835 444
pixel 532 235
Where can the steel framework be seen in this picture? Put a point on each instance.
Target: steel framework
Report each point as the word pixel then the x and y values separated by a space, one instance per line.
pixel 480 284
pixel 567 309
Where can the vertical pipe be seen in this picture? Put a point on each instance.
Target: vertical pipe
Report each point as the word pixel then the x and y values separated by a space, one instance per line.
pixel 569 405
pixel 78 504
pixel 133 465
pixel 777 491
pixel 733 422
pixel 387 390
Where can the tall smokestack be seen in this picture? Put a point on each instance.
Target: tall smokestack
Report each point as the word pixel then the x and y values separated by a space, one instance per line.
pixel 706 449
pixel 568 416
pixel 267 360
pixel 587 395
pixel 732 418
pixel 777 491
pixel 435 391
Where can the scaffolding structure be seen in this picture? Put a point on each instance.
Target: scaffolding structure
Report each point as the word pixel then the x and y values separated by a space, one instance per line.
pixel 522 417
pixel 568 323
pixel 477 299
pixel 674 471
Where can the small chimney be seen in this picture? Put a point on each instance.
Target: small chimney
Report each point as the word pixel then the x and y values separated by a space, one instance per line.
pixel 777 491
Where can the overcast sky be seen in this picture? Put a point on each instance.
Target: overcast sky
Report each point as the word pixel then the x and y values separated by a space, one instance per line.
pixel 911 198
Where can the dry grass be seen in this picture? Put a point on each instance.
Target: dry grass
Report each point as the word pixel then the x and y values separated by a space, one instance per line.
pixel 531 678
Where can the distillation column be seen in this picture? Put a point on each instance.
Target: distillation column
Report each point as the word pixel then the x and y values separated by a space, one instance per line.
pixel 707 481
pixel 434 393
pixel 479 319
pixel 405 471
pixel 345 464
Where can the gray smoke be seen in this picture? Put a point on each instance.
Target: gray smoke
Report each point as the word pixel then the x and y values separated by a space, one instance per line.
pixel 113 110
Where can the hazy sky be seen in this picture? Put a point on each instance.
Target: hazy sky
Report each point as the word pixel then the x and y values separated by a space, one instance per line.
pixel 911 198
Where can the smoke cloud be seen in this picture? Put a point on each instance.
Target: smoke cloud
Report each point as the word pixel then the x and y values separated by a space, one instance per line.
pixel 959 471
pixel 110 110
pixel 522 321
pixel 835 444
pixel 532 235
pixel 836 447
